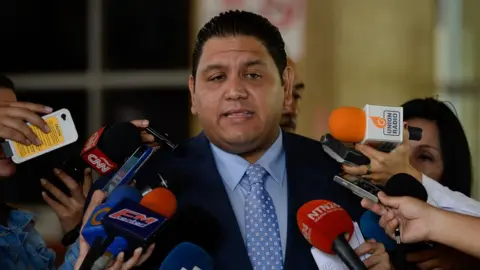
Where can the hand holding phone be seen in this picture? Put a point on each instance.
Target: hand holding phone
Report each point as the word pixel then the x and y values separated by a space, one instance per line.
pixel 56 130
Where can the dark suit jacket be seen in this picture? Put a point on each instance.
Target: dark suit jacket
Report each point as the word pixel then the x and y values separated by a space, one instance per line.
pixel 310 176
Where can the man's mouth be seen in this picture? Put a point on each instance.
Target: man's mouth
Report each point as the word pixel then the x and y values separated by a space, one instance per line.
pixel 238 113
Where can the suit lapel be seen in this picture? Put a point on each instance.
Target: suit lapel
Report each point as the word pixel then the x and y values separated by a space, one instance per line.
pixel 207 190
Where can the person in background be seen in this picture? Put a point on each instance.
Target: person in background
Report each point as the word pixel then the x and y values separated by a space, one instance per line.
pixel 290 110
pixel 441 161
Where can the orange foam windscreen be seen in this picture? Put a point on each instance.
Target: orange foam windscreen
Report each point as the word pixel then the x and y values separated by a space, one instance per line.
pixel 322 221
pixel 161 201
pixel 347 124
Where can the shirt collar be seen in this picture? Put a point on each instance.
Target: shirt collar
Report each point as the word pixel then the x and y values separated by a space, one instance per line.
pixel 232 167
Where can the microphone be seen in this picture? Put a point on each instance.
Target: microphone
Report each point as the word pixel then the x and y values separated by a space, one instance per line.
pixel 107 148
pixel 187 256
pixel 93 231
pixel 378 126
pixel 328 227
pixel 129 225
pixel 371 230
pixel 189 224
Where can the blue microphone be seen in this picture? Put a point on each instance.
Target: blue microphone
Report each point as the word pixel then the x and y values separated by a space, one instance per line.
pixel 93 231
pixel 187 256
pixel 371 230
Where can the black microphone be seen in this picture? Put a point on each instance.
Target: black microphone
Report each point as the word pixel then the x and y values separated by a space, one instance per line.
pixel 403 184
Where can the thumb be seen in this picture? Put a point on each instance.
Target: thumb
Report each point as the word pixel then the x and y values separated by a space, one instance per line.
pixel 392 202
pixel 97 199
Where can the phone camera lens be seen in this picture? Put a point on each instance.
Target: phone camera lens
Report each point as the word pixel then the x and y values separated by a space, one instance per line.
pixel 64 116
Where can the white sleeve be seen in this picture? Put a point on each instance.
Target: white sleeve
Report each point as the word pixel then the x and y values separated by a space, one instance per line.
pixel 444 198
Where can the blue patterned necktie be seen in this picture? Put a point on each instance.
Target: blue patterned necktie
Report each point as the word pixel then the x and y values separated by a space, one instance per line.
pixel 261 224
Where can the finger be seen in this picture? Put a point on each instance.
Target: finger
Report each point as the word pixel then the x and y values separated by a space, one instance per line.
pixel 133 260
pixel 375 260
pixel 147 255
pixel 147 138
pixel 71 184
pixel 392 202
pixel 142 123
pixel 57 193
pixel 96 200
pixel 421 256
pixel 406 134
pixel 28 116
pixel 38 108
pixel 21 127
pixel 57 208
pixel 355 170
pixel 370 152
pixel 391 227
pixel 429 265
pixel 87 181
pixel 14 135
pixel 365 248
pixel 118 262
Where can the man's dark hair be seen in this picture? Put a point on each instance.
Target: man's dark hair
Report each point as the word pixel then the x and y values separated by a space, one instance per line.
pixel 5 82
pixel 242 23
pixel 457 160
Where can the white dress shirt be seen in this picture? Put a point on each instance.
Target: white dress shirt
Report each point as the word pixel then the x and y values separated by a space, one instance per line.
pixel 444 198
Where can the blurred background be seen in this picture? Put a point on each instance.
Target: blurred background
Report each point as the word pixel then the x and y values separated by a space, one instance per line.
pixel 109 61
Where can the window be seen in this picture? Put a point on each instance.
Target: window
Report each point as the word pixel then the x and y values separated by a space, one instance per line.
pixel 43 36
pixel 147 34
pixel 125 54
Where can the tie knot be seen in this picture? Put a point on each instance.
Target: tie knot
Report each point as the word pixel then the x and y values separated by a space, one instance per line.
pixel 255 174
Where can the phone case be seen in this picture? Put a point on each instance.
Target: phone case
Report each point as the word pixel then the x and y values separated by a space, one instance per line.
pixel 62 132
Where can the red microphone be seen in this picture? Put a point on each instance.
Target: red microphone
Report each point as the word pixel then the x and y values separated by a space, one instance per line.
pixel 108 148
pixel 328 227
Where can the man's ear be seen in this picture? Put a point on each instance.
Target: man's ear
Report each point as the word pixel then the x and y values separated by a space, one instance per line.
pixel 191 88
pixel 288 79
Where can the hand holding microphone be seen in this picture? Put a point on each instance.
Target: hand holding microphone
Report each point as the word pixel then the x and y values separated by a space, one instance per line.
pixel 135 260
pixel 385 165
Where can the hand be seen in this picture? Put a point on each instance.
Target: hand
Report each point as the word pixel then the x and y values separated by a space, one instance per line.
pixel 13 118
pixel 69 209
pixel 442 257
pixel 379 259
pixel 146 137
pixel 412 215
pixel 385 165
pixel 136 260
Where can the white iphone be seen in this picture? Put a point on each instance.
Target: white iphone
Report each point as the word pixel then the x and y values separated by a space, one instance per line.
pixel 62 132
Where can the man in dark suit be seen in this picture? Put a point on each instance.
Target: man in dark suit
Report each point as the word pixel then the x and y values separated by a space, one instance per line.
pixel 242 169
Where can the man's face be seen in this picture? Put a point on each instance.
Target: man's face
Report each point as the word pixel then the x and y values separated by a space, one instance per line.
pixel 7 167
pixel 238 94
pixel 290 110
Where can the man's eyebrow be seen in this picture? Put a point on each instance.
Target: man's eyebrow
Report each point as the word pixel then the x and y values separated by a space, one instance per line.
pixel 299 86
pixel 255 63
pixel 212 67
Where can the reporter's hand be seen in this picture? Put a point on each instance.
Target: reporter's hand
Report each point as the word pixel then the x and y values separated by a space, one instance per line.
pixel 412 215
pixel 136 260
pixel 147 138
pixel 385 165
pixel 379 259
pixel 69 209
pixel 13 121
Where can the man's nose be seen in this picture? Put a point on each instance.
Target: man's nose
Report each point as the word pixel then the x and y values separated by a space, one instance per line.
pixel 236 89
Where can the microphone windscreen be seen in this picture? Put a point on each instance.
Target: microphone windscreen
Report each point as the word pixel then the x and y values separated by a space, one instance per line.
pixel 119 141
pixel 322 221
pixel 161 201
pixel 124 192
pixel 347 124
pixel 187 256
pixel 371 230
pixel 403 184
